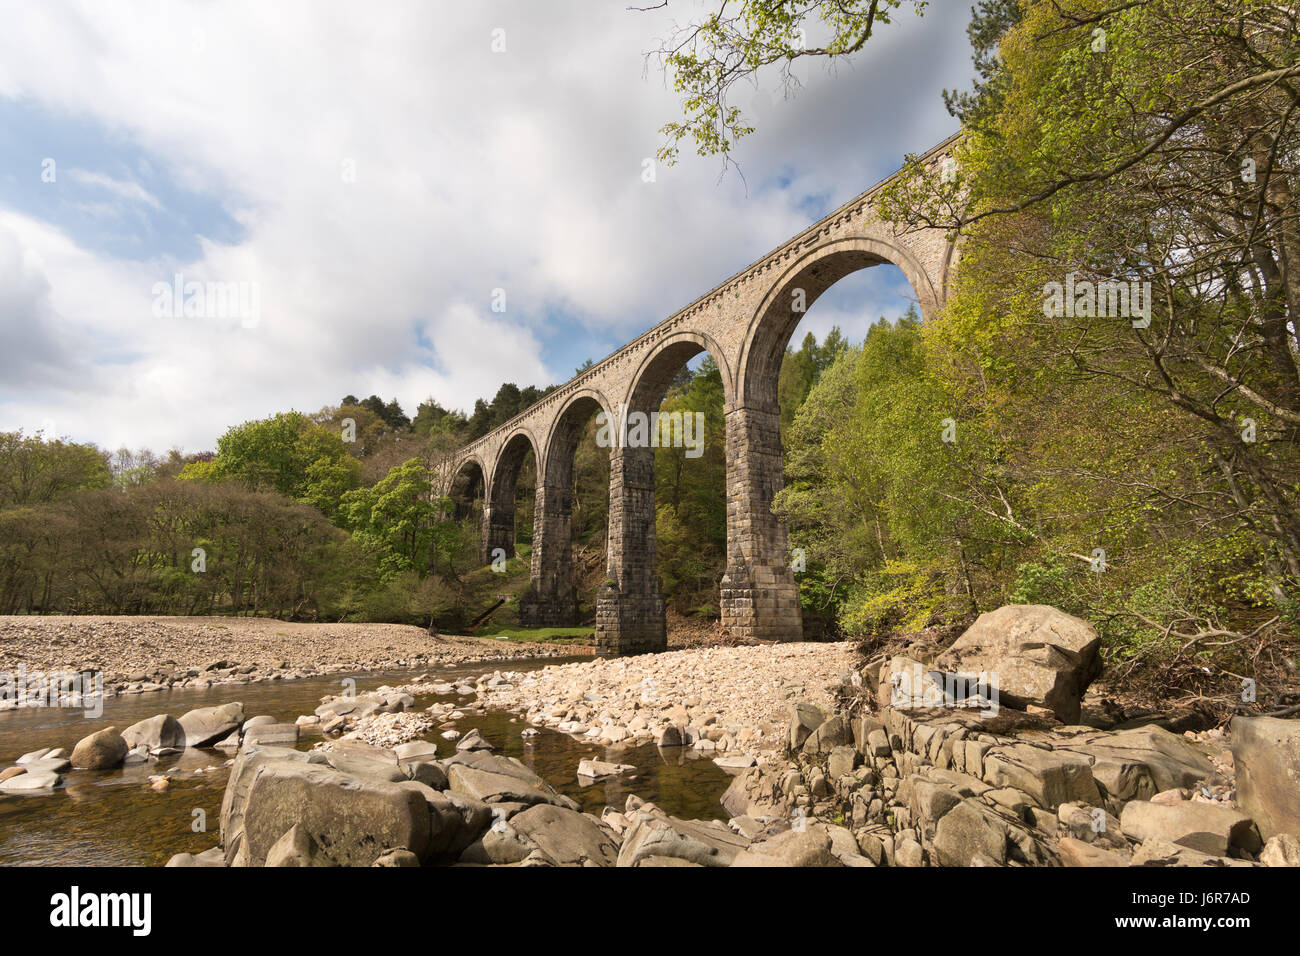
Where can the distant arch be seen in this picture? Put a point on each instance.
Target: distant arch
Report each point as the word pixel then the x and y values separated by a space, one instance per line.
pixel 565 433
pixel 468 484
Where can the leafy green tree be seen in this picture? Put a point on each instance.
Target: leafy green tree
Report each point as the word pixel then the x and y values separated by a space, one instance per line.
pixel 286 453
pixel 399 520
pixel 34 470
pixel 738 41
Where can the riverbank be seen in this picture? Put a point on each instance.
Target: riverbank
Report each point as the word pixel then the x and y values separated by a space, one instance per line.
pixel 714 699
pixel 142 654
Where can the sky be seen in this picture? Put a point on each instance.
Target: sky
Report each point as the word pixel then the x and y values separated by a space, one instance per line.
pixel 392 205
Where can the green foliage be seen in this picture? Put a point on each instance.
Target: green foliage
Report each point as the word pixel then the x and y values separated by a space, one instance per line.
pixel 690 500
pixel 34 470
pixel 285 453
pixel 739 41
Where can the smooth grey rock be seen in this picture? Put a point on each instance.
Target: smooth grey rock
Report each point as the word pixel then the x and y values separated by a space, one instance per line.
pixel 1198 826
pixel 103 750
pixel 162 730
pixel 207 724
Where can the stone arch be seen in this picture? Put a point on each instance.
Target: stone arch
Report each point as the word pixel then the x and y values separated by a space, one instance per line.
pixel 759 593
pixel 566 430
pixel 499 517
pixel 630 609
pixel 553 601
pixel 652 377
pixel 774 321
pixel 468 483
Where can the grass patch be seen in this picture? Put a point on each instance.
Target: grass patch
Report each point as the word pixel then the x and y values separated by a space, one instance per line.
pixel 550 635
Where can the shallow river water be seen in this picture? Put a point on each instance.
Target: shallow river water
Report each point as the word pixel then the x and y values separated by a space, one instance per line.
pixel 113 818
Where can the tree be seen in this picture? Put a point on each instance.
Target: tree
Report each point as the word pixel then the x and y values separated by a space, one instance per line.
pixel 1109 159
pixel 34 470
pixel 397 518
pixel 738 41
pixel 286 453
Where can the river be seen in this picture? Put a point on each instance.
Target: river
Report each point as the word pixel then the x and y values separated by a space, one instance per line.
pixel 113 818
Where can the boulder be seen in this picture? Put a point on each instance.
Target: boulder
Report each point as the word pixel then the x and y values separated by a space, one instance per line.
pixel 274 734
pixel 155 733
pixel 1266 755
pixel 1033 653
pixel 1139 763
pixel 908 684
pixel 1161 853
pixel 352 820
pixel 397 857
pixel 455 820
pixel 1202 827
pixel 652 836
pixel 235 798
pixel 735 800
pixel 416 750
pixel 843 760
pixel 804 719
pixel 500 845
pixel 493 779
pixel 672 736
pixel 428 772
pixel 102 750
pixel 295 848
pixel 1281 850
pixel 473 741
pixel 349 706
pixel 212 857
pixel 810 847
pixel 829 734
pixel 566 836
pixel 595 770
pixel 969 830
pixel 59 765
pixel 1078 853
pixel 30 781
pixel 208 724
pixel 1050 777
pixel 358 765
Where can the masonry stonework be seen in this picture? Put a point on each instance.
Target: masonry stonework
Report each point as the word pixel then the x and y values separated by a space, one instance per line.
pixel 745 325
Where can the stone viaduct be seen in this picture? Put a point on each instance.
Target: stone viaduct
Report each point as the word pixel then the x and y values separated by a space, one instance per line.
pixel 744 324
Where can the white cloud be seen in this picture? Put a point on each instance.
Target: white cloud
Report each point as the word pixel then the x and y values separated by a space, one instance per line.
pixel 124 189
pixel 473 171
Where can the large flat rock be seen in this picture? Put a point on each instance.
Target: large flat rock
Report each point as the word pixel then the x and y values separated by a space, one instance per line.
pixel 1266 754
pixel 1033 653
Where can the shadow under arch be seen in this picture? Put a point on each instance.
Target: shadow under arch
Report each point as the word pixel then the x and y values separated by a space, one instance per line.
pixel 468 484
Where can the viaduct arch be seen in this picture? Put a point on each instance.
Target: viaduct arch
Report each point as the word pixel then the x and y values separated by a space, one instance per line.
pixel 744 324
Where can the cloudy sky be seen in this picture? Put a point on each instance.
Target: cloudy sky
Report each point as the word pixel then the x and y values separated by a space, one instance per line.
pixel 373 171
